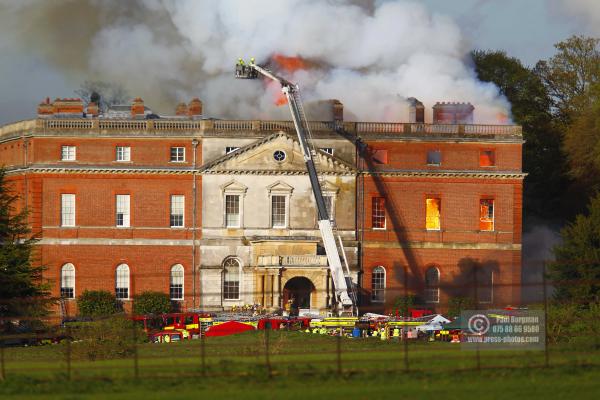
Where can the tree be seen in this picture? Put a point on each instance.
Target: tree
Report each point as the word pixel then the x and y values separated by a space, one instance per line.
pixel 570 74
pixel 104 94
pixel 575 274
pixel 531 108
pixel 23 294
pixel 582 143
pixel 97 303
pixel 151 303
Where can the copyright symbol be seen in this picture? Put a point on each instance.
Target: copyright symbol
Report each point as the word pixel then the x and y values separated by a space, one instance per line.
pixel 479 324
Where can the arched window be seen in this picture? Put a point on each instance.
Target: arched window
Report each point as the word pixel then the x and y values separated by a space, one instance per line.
pixel 231 279
pixel 378 285
pixel 432 285
pixel 176 282
pixel 122 282
pixel 67 281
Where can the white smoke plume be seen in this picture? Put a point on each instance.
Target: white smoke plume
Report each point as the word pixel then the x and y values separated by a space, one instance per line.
pixel 370 55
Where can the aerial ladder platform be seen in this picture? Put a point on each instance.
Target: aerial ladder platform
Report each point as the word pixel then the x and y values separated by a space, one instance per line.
pixel 345 295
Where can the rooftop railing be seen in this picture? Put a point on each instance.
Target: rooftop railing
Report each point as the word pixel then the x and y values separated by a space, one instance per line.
pixel 211 127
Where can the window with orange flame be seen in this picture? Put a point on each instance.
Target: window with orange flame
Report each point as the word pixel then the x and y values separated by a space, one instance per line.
pixel 487 158
pixel 486 215
pixel 433 213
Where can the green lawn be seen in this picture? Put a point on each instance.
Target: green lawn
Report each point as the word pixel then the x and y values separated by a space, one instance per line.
pixel 301 365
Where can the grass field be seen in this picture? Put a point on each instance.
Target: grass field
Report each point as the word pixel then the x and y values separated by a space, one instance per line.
pixel 298 366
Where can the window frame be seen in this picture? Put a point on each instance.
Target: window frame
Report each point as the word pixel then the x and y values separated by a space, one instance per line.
pixel 122 272
pixel 121 151
pixel 67 268
pixel 172 215
pixel 328 150
pixel 492 158
pixel 175 157
pixel 176 287
pixel 285 210
pixel 63 214
pixel 227 293
pixel 230 149
pixel 126 217
pixel 374 199
pixel 69 156
pixel 430 153
pixel 379 269
pixel 493 217
pixel 484 271
pixel 432 288
pixel 439 199
pixel 239 210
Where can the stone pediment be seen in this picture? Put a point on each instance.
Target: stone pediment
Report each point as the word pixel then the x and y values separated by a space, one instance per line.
pixel 279 153
pixel 234 187
pixel 280 187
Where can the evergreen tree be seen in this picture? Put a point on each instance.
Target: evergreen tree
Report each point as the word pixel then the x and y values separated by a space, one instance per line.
pixel 23 294
pixel 575 274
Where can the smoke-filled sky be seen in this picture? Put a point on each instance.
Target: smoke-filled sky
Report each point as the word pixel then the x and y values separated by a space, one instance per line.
pixel 369 54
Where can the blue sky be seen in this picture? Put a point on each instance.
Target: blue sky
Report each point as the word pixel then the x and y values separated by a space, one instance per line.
pixel 526 29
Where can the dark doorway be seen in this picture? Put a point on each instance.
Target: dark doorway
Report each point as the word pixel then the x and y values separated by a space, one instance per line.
pixel 296 293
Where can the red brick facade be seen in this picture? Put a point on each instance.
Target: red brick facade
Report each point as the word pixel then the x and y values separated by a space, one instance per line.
pixel 396 167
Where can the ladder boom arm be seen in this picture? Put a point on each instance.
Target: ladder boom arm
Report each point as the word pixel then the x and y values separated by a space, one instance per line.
pixel 291 92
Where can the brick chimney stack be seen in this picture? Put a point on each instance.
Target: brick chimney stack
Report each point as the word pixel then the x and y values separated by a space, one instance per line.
pixel 416 111
pixel 67 107
pixel 337 108
pixel 453 113
pixel 195 108
pixel 181 110
pixel 45 108
pixel 92 109
pixel 137 108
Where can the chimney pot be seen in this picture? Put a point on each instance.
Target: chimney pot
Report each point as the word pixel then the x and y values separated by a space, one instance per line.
pixel 416 111
pixel 181 109
pixel 453 113
pixel 195 108
pixel 137 108
pixel 92 109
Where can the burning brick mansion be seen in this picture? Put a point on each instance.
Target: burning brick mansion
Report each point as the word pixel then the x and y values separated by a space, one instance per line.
pixel 220 213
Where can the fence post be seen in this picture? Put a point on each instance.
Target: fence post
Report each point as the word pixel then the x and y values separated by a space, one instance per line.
pixel 2 368
pixel 545 294
pixel 136 368
pixel 404 335
pixel 267 360
pixel 68 352
pixel 476 297
pixel 339 350
pixel 203 350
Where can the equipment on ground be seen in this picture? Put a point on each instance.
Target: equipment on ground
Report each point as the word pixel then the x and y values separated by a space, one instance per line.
pixel 342 282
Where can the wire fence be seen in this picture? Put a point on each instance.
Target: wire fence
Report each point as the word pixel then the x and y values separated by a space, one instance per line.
pixel 288 346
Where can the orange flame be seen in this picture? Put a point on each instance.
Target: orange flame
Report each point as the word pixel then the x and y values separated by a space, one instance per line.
pixel 290 65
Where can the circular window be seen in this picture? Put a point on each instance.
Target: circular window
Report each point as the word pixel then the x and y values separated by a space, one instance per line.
pixel 279 155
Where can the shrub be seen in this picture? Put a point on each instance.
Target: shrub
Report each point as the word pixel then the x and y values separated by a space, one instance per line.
pixel 111 337
pixel 151 303
pixel 574 324
pixel 97 303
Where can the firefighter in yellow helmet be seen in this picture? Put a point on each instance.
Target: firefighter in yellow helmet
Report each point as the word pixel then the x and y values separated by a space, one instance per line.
pixel 252 60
